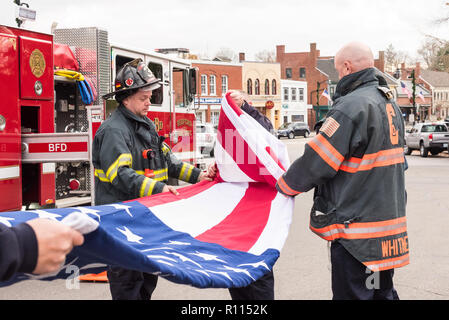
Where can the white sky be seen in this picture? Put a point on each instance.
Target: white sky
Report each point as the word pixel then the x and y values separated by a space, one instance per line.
pixel 250 26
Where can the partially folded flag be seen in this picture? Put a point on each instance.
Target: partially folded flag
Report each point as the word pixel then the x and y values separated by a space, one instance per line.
pixel 225 233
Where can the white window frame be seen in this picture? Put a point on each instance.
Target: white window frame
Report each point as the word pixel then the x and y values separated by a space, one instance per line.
pixel 286 94
pixel 301 94
pixel 204 84
pixel 212 85
pixel 224 84
pixel 293 94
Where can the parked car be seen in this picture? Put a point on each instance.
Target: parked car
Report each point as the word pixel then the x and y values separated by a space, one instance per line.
pixel 205 138
pixel 425 137
pixel 446 122
pixel 293 129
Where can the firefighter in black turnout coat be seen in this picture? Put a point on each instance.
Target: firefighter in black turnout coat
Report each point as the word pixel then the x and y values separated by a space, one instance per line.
pixel 131 161
pixel 356 165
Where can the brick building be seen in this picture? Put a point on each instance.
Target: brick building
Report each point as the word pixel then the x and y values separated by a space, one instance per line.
pixel 423 95
pixel 319 72
pixel 214 79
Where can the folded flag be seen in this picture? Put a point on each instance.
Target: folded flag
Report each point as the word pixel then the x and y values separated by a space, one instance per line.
pixel 225 233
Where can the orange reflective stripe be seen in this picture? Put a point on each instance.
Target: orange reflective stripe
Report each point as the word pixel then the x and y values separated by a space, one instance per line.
pixel 362 230
pixel 285 188
pixel 326 151
pixel 382 158
pixel 387 264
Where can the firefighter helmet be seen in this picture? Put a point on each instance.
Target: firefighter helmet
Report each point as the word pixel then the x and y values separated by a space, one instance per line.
pixel 132 76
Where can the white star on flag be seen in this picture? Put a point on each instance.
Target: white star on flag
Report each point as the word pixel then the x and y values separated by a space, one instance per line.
pixel 131 237
pixel 120 207
pixel 239 270
pixel 183 258
pixel 89 211
pixel 222 273
pixel 46 215
pixel 255 265
pixel 179 243
pixel 6 220
pixel 208 257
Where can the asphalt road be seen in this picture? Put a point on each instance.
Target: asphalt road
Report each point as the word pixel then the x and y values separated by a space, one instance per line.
pixel 303 269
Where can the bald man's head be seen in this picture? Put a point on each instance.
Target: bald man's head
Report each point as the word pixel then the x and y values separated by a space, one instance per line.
pixel 353 57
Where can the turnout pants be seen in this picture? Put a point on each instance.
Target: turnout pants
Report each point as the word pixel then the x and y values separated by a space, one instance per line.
pixel 352 281
pixel 261 289
pixel 135 285
pixel 130 285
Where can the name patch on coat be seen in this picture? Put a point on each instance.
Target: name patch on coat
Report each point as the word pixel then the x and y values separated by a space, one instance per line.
pixel 330 126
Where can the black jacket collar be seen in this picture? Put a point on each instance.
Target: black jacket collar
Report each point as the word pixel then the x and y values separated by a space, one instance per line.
pixel 352 81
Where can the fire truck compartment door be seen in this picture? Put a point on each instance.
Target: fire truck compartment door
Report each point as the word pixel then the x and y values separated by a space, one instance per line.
pixel 10 148
pixel 36 69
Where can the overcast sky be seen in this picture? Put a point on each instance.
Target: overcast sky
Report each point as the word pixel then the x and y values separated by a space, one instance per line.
pixel 250 26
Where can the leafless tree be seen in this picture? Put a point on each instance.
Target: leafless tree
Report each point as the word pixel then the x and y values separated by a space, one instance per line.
pixel 226 54
pixel 435 53
pixel 393 58
pixel 265 56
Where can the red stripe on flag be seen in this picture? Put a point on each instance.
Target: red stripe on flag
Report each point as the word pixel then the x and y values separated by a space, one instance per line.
pixel 233 105
pixel 243 226
pixel 184 193
pixel 241 153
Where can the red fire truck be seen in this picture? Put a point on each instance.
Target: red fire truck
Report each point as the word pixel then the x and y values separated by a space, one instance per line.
pixel 46 128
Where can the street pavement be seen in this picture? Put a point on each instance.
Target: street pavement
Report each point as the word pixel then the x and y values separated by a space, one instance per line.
pixel 303 269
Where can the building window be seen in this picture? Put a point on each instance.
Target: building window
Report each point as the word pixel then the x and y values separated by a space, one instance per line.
pixel 288 73
pixel 212 82
pixel 273 87
pixel 249 86
pixel 267 86
pixel 203 85
pixel 224 84
pixel 286 94
pixel 214 116
pixel 257 87
pixel 301 94
pixel 293 94
pixel 302 72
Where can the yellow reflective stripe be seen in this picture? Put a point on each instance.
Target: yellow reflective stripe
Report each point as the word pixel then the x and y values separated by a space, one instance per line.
pixel 142 188
pixel 100 175
pixel 165 148
pixel 183 175
pixel 147 187
pixel 159 175
pixel 124 159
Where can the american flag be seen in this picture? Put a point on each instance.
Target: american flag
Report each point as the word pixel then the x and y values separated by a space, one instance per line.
pixel 421 96
pixel 406 90
pixel 224 233
pixel 326 95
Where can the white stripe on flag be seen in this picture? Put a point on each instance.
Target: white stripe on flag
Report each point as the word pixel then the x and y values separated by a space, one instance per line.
pixel 229 170
pixel 276 230
pixel 198 213
pixel 251 131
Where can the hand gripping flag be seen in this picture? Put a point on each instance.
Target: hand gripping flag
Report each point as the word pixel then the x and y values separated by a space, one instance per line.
pixel 224 233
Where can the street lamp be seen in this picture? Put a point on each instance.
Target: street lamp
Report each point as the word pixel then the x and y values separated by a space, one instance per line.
pixel 23 14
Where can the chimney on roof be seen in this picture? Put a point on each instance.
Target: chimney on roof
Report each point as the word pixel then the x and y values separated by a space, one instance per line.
pixel 241 56
pixel 404 73
pixel 280 51
pixel 417 71
pixel 380 62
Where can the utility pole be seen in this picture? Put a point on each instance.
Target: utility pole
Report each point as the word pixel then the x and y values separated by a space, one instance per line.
pixel 414 92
